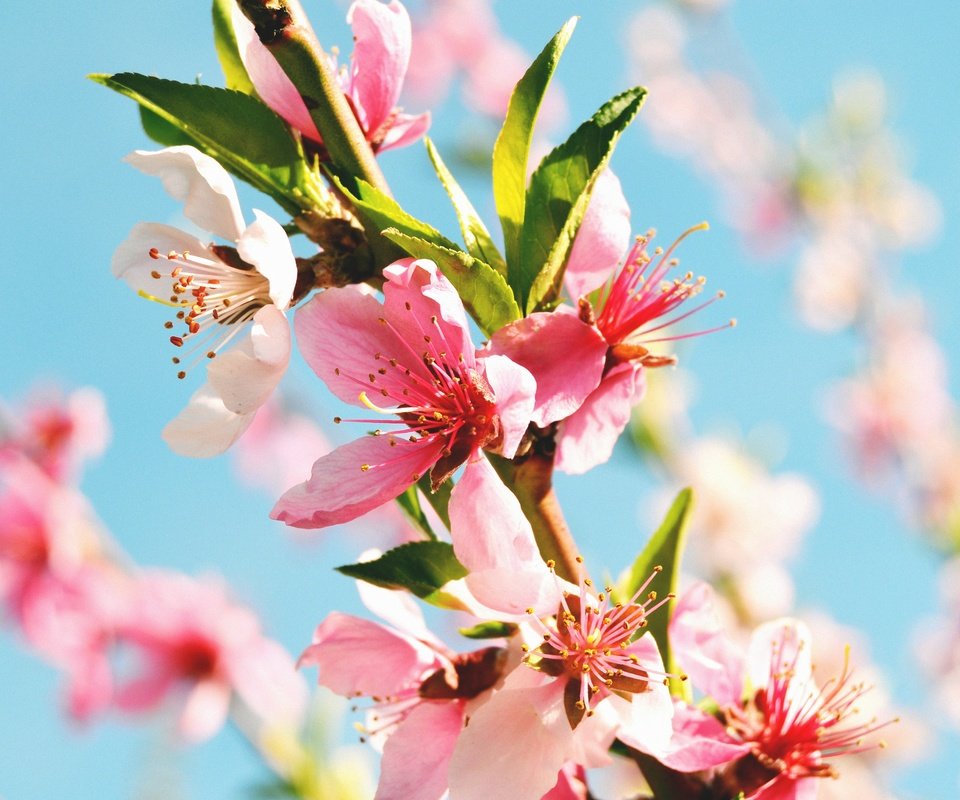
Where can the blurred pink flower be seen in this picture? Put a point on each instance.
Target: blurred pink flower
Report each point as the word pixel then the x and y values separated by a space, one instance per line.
pixel 372 84
pixel 219 292
pixel 413 352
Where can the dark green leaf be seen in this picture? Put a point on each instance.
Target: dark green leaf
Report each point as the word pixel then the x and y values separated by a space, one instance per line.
pixel 225 41
pixel 475 234
pixel 483 290
pixel 419 567
pixel 236 129
pixel 512 148
pixel 664 550
pixel 558 196
pixel 163 132
pixel 489 630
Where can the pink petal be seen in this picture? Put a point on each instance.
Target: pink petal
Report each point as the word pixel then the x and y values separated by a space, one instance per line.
pixel 405 129
pixel 132 261
pixel 198 181
pixel 515 391
pixel 702 648
pixel 147 691
pixel 587 437
pixel 784 788
pixel 206 427
pixel 699 741
pixel 355 656
pixel 570 785
pixel 648 718
pixel 786 641
pixel 269 79
pixel 339 490
pixel 400 610
pixel 602 239
pixel 411 771
pixel 494 541
pixel 246 375
pixel 266 245
pixel 381 53
pixel 340 337
pixel 205 711
pixel 565 356
pixel 267 681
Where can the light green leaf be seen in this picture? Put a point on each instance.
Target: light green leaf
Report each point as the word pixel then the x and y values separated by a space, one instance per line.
pixel 419 567
pixel 239 131
pixel 409 501
pixel 664 550
pixel 475 234
pixel 558 196
pixel 484 291
pixel 225 41
pixel 489 630
pixel 439 499
pixel 512 148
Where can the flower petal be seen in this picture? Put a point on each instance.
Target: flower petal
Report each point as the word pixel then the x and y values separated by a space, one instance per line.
pixel 405 129
pixel 198 181
pixel 206 427
pixel 602 239
pixel 648 717
pixel 565 356
pixel 587 437
pixel 381 52
pixel 205 711
pixel 132 260
pixel 266 245
pixel 340 489
pixel 246 375
pixel 267 680
pixel 411 771
pixel 356 656
pixel 515 391
pixel 699 742
pixel 783 644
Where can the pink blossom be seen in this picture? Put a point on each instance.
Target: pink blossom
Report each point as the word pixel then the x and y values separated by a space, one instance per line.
pixel 190 640
pixel 412 354
pixel 372 84
pixel 793 728
pixel 219 292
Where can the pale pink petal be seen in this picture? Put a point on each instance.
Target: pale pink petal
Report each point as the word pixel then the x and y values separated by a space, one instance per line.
pixel 405 129
pixel 267 681
pixel 587 437
pixel 570 785
pixel 400 610
pixel 356 656
pixel 515 391
pixel 269 79
pixel 699 741
pixel 381 52
pixel 265 245
pixel 565 356
pixel 785 788
pixel 415 292
pixel 494 541
pixel 602 239
pixel 246 375
pixel 702 648
pixel 206 709
pixel 340 489
pixel 340 337
pixel 206 427
pixel 147 691
pixel 90 686
pixel 648 718
pixel 132 261
pixel 783 644
pixel 415 758
pixel 198 181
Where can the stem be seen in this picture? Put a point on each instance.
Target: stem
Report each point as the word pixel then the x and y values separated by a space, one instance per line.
pixel 285 31
pixel 531 480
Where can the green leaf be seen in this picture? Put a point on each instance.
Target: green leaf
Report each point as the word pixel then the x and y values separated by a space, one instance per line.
pixel 512 148
pixel 409 501
pixel 489 630
pixel 484 291
pixel 439 499
pixel 558 196
pixel 664 550
pixel 163 132
pixel 475 234
pixel 238 130
pixel 225 41
pixel 419 567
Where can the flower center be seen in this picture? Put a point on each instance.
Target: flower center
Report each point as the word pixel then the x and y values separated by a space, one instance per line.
pixel 196 658
pixel 214 298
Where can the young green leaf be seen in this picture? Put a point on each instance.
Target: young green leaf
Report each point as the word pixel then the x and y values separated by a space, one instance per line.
pixel 225 41
pixel 439 499
pixel 419 567
pixel 512 148
pixel 239 131
pixel 558 196
pixel 475 234
pixel 409 501
pixel 489 630
pixel 484 291
pixel 664 550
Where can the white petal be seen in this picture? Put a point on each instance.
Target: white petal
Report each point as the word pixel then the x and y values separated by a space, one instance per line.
pixel 206 427
pixel 132 261
pixel 266 245
pixel 204 187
